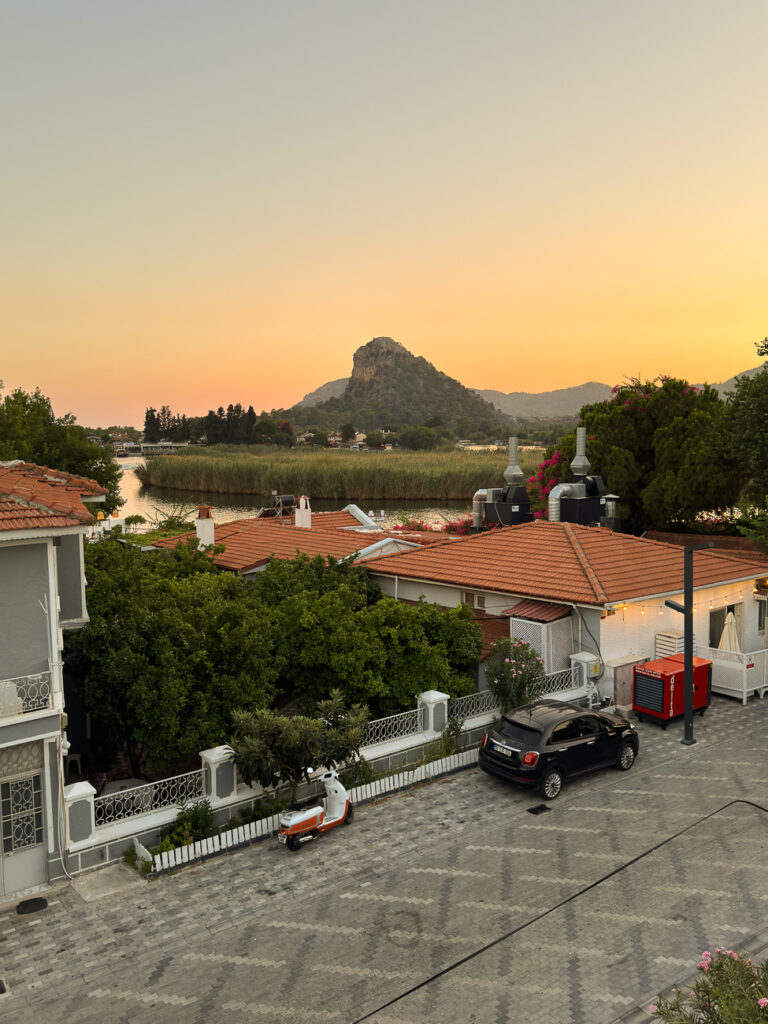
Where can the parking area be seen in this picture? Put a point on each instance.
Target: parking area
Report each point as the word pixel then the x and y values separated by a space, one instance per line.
pixel 448 902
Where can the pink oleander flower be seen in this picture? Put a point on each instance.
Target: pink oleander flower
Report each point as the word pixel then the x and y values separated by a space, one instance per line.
pixel 653 1008
pixel 762 1003
pixel 706 955
pixel 703 965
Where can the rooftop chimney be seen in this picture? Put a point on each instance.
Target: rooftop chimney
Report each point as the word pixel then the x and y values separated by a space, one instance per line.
pixel 513 474
pixel 204 527
pixel 580 466
pixel 303 515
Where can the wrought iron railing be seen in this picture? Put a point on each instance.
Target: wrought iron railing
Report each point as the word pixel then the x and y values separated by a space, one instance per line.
pixel 555 682
pixel 129 803
pixel 394 726
pixel 23 694
pixel 479 703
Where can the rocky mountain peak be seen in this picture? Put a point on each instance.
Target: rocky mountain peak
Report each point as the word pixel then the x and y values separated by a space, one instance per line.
pixel 379 354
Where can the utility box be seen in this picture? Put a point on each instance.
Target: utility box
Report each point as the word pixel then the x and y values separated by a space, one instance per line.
pixel 659 688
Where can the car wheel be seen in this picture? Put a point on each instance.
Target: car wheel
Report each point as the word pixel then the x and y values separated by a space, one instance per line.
pixel 293 843
pixel 350 815
pixel 551 784
pixel 626 757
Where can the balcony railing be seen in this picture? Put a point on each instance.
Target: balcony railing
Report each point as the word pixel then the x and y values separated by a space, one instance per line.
pixel 480 703
pixel 129 803
pixel 24 694
pixel 393 727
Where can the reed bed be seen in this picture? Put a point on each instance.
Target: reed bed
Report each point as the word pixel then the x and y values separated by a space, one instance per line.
pixel 336 475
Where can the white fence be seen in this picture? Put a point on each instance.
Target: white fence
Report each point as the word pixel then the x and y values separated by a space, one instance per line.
pixel 154 796
pixel 232 838
pixel 736 674
pixel 473 704
pixel 394 727
pixel 23 694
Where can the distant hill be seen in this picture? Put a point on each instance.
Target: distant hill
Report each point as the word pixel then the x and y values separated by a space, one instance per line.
pixel 390 387
pixel 551 404
pixel 385 372
pixel 332 389
pixel 729 385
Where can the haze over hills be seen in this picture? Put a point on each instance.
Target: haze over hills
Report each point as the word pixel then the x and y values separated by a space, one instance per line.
pixel 382 377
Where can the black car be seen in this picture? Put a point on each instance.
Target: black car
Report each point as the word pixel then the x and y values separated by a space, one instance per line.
pixel 544 743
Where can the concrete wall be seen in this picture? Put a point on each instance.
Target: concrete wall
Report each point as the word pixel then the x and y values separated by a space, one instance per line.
pixel 23 627
pixel 69 571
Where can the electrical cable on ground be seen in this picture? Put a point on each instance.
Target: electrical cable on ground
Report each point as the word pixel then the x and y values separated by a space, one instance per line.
pixel 569 899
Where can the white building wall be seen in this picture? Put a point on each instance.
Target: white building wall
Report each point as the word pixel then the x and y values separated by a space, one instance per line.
pixel 632 630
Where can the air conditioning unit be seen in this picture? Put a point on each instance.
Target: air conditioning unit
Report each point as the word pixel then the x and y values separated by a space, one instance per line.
pixel 586 664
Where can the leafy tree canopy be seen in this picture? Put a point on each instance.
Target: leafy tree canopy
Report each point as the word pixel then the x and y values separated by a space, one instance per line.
pixel 661 447
pixel 30 431
pixel 747 427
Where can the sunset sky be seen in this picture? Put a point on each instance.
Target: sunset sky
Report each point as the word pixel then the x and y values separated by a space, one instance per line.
pixel 206 203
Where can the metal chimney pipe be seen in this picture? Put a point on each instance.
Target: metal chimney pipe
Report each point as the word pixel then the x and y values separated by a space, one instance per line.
pixel 580 466
pixel 513 474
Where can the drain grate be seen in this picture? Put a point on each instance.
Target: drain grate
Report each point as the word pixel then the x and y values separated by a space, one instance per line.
pixel 31 906
pixel 538 809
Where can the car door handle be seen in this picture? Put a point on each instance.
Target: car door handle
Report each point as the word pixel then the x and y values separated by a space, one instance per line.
pixel 561 750
pixel 589 743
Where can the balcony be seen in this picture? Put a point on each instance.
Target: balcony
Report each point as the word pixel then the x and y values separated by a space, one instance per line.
pixel 25 694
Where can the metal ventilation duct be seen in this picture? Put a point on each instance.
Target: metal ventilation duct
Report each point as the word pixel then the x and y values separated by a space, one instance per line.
pixel 513 475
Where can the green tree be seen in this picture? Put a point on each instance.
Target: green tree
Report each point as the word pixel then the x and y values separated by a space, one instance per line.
pixel 347 432
pixel 515 673
pixel 747 427
pixel 271 748
pixel 30 431
pixel 172 646
pixel 659 445
pixel 375 439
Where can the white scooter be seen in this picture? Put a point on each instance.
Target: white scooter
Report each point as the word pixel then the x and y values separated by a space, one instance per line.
pixel 297 827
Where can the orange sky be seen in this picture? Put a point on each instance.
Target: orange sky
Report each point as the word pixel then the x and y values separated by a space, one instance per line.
pixel 218 203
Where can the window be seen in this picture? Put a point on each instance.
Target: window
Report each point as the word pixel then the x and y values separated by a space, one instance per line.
pixel 717 618
pixel 761 606
pixel 472 599
pixel 565 731
pixel 21 814
pixel 590 726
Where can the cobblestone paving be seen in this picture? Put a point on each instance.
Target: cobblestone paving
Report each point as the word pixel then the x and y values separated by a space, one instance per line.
pixel 444 903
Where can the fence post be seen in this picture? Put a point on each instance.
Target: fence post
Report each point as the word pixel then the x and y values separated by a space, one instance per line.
pixel 435 710
pixel 219 777
pixel 81 816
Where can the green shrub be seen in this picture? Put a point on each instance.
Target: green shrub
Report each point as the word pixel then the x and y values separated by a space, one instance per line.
pixel 515 673
pixel 729 990
pixel 192 823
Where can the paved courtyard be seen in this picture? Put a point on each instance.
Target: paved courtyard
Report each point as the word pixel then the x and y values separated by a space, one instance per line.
pixel 446 903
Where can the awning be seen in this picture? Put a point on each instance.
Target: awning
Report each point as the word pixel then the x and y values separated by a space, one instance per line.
pixel 538 611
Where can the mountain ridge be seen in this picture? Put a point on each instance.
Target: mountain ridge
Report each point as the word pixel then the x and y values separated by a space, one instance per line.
pixel 566 401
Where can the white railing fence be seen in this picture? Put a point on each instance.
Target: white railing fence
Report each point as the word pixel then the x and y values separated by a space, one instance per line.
pixel 472 705
pixel 231 838
pixel 556 682
pixel 23 694
pixel 737 674
pixel 394 727
pixel 154 796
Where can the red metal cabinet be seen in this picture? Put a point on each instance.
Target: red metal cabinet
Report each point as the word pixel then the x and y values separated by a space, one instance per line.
pixel 658 690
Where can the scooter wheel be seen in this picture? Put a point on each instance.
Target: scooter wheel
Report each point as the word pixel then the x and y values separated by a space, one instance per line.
pixel 350 815
pixel 293 843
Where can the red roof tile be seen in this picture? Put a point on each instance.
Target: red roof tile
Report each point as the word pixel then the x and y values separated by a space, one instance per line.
pixel 37 497
pixel 538 611
pixel 250 543
pixel 564 562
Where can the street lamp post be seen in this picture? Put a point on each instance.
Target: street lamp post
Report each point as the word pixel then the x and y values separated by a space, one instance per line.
pixel 686 608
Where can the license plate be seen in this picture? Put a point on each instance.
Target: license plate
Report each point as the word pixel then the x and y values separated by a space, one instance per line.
pixel 281 838
pixel 502 750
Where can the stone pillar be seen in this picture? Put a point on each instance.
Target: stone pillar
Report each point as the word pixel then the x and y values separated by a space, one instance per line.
pixel 81 819
pixel 435 705
pixel 219 776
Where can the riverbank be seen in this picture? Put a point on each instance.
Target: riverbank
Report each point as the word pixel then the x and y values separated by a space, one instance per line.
pixel 336 475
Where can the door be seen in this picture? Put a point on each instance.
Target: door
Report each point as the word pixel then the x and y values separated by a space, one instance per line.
pixel 23 862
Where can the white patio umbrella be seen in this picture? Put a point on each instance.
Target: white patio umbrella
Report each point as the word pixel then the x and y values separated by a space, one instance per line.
pixel 729 641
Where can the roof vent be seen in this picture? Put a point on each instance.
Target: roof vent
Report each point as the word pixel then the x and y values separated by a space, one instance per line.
pixel 513 474
pixel 580 466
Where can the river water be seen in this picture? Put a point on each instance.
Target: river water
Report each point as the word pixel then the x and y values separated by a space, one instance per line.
pixel 160 502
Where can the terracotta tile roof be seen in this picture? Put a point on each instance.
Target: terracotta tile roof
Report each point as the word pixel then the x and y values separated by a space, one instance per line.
pixel 35 497
pixel 250 543
pixel 538 611
pixel 565 562
pixel 339 519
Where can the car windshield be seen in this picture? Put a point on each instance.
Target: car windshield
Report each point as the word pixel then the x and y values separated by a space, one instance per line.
pixel 523 732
